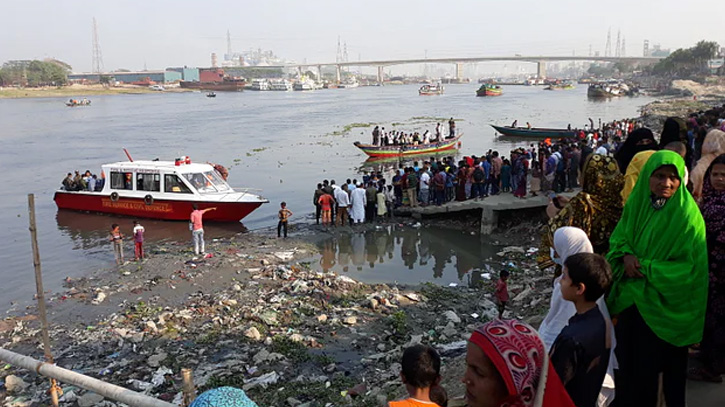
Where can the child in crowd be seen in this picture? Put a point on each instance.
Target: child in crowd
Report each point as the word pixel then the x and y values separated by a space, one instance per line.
pixel 506 176
pixel 580 354
pixel 116 237
pixel 284 215
pixel 502 292
pixel 420 373
pixel 138 232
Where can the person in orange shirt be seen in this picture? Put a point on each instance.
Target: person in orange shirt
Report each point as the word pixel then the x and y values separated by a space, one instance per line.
pixel 420 374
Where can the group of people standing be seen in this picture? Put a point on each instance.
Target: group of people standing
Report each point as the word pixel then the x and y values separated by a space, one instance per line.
pixel 381 137
pixel 85 182
pixel 658 222
pixel 353 202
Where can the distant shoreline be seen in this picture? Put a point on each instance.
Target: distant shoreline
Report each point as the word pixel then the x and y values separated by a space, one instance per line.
pixel 73 91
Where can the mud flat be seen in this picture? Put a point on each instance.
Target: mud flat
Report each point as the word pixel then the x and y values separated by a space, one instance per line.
pixel 80 91
pixel 259 314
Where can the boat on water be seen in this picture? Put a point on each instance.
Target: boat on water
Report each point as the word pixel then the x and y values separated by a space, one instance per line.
pixel 488 89
pixel 78 102
pixel 408 149
pixel 226 85
pixel 535 133
pixel 560 86
pixel 162 190
pixel 211 95
pixel 349 83
pixel 260 84
pixel 305 84
pixel 610 89
pixel 281 85
pixel 431 89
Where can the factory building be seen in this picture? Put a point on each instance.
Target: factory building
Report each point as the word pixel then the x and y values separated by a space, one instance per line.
pixel 129 77
pixel 187 74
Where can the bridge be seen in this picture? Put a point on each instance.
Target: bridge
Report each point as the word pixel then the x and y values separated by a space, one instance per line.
pixel 459 62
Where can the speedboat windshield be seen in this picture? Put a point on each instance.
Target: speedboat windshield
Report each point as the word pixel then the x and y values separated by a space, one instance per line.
pixel 207 182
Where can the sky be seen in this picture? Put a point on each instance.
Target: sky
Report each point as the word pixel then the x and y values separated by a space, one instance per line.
pixel 163 33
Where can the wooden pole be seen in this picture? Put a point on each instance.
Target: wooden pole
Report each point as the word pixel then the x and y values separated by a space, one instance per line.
pixel 107 390
pixel 41 295
pixel 188 387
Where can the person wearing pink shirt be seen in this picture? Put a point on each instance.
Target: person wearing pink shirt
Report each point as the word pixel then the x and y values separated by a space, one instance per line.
pixel 197 228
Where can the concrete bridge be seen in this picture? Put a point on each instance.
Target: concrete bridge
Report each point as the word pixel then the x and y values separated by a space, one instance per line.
pixel 459 62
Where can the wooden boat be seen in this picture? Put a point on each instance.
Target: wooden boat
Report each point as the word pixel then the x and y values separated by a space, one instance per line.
pixel 489 90
pixel 78 102
pixel 396 151
pixel 211 95
pixel 431 89
pixel 537 133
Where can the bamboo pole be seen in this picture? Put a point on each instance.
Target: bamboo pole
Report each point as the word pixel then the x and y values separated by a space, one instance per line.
pixel 54 389
pixel 107 390
pixel 189 390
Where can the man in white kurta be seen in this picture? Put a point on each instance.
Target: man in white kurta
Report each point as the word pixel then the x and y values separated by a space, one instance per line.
pixel 358 201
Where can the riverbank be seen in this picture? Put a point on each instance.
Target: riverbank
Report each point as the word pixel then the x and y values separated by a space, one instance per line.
pixel 259 313
pixel 77 90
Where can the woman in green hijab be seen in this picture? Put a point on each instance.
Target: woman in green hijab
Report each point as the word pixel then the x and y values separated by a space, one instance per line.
pixel 658 253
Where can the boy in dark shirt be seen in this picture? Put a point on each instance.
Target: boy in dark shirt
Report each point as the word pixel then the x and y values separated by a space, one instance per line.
pixel 580 354
pixel 502 292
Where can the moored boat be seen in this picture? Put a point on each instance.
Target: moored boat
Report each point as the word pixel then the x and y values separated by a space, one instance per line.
pixel 162 190
pixel 78 102
pixel 537 133
pixel 408 149
pixel 488 89
pixel 431 89
pixel 282 85
pixel 259 84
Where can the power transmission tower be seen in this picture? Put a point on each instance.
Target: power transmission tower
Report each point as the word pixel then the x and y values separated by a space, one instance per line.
pixel 624 48
pixel 608 47
pixel 229 46
pixel 97 58
pixel 338 57
pixel 645 48
pixel 344 55
pixel 618 50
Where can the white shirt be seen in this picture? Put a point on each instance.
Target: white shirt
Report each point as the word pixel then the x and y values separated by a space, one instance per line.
pixel 424 180
pixel 341 197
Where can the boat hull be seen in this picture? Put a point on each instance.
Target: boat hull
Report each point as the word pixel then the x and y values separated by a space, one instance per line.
pixel 215 86
pixel 489 93
pixel 399 151
pixel 164 209
pixel 534 132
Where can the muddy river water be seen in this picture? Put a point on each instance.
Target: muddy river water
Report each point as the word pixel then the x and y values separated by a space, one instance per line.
pixel 281 143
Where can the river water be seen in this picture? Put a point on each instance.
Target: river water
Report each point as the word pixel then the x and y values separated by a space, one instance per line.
pixel 281 143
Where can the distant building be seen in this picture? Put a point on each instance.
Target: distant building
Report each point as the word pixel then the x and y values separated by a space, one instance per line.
pixel 128 77
pixel 187 74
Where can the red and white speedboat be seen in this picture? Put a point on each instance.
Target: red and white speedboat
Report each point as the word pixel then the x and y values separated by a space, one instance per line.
pixel 162 190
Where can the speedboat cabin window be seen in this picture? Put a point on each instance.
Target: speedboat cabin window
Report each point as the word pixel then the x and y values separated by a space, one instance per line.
pixel 121 180
pixel 148 182
pixel 207 182
pixel 172 183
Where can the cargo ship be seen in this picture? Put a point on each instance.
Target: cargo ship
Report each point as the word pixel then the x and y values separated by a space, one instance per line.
pixel 215 79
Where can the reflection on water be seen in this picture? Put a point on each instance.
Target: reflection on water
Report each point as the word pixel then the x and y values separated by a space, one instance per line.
pixel 403 254
pixel 89 232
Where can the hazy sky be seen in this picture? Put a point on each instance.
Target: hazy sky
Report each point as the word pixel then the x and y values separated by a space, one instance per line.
pixel 162 33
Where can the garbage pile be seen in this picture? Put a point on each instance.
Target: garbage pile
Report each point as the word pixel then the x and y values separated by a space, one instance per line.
pixel 289 334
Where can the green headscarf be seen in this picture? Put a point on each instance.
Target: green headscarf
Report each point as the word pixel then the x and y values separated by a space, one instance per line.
pixel 671 247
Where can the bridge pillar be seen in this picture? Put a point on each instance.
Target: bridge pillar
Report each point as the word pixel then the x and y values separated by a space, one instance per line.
pixel 319 73
pixel 338 73
pixel 381 75
pixel 541 69
pixel 299 72
pixel 459 71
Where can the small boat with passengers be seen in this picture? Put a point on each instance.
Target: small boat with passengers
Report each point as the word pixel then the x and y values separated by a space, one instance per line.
pixel 409 149
pixel 488 89
pixel 78 102
pixel 534 133
pixel 431 89
pixel 162 190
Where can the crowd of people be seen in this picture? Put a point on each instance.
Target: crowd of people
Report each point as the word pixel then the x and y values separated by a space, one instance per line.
pixel 638 254
pixel 381 137
pixel 85 182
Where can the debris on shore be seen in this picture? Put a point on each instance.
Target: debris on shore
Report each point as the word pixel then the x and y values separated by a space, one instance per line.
pixel 277 327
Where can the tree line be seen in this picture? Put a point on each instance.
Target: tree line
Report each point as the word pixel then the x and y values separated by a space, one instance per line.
pixel 688 61
pixel 33 73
